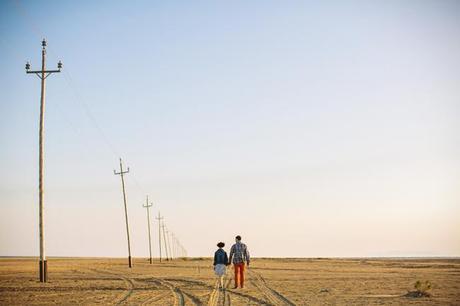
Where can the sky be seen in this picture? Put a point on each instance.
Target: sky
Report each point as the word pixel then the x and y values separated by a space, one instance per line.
pixel 311 129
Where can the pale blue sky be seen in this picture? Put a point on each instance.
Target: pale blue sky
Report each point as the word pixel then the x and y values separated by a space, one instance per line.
pixel 311 129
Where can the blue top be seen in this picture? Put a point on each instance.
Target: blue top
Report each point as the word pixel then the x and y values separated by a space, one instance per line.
pixel 220 257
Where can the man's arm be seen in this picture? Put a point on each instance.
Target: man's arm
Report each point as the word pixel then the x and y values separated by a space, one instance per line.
pixel 246 254
pixel 215 259
pixel 232 252
pixel 226 259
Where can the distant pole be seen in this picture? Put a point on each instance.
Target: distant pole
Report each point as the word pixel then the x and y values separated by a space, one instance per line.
pixel 169 245
pixel 121 173
pixel 173 242
pixel 168 236
pixel 42 74
pixel 164 239
pixel 174 245
pixel 148 205
pixel 159 232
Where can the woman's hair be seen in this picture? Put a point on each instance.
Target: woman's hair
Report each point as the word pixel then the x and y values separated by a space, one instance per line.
pixel 220 244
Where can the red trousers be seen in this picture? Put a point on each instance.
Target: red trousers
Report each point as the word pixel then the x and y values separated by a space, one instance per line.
pixel 239 274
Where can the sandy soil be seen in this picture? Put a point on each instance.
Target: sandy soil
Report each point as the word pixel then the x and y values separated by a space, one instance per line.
pixel 191 282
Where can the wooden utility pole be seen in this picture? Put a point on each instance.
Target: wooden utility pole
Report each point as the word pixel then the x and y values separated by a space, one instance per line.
pixel 42 74
pixel 173 245
pixel 164 239
pixel 174 249
pixel 148 205
pixel 121 173
pixel 159 218
pixel 169 244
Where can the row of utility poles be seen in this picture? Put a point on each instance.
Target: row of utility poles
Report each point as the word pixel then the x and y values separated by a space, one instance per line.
pixel 172 246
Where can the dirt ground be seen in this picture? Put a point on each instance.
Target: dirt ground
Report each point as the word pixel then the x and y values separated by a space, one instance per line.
pixel 191 282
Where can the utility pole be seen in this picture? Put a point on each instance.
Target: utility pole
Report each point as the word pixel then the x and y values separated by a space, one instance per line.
pixel 121 173
pixel 169 244
pixel 159 218
pixel 42 74
pixel 174 245
pixel 164 239
pixel 148 205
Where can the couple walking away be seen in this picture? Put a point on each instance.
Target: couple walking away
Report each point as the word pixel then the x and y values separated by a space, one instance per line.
pixel 238 256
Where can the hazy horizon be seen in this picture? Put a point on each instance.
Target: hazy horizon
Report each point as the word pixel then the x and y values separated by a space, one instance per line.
pixel 311 129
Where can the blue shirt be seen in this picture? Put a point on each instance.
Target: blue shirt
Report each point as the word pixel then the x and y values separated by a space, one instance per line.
pixel 220 257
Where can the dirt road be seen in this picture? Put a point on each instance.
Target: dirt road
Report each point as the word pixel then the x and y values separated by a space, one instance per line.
pixel 269 282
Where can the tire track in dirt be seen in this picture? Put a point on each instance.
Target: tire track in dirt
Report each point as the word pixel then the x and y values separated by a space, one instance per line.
pixel 177 293
pixel 129 284
pixel 228 293
pixel 179 299
pixel 272 295
pixel 219 296
pixel 214 296
pixel 154 299
pixel 226 298
pixel 170 281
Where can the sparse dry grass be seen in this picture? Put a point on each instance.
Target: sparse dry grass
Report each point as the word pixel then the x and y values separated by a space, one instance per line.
pixel 269 281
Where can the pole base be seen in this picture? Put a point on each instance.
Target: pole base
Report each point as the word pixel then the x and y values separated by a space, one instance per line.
pixel 130 264
pixel 43 268
pixel 151 260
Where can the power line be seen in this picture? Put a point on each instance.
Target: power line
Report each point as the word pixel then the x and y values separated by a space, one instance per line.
pixel 87 110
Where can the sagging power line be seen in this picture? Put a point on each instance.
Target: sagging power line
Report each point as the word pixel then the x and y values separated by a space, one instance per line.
pixel 170 243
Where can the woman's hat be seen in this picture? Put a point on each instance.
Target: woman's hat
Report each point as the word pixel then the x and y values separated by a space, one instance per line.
pixel 220 244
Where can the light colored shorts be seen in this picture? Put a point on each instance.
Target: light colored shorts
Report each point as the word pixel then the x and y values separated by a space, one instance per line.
pixel 220 269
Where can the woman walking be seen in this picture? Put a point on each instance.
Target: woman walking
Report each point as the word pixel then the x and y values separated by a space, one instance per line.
pixel 220 263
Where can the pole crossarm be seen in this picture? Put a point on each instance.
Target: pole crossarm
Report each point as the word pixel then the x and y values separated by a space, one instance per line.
pixel 120 172
pixel 46 73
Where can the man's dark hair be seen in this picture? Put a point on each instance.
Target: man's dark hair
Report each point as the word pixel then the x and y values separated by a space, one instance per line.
pixel 238 238
pixel 220 244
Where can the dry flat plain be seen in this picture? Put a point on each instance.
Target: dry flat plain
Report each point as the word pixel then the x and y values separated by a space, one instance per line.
pixel 191 282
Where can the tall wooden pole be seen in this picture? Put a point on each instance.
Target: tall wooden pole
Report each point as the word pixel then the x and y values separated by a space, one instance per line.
pixel 169 244
pixel 159 232
pixel 121 173
pixel 164 239
pixel 43 263
pixel 42 74
pixel 148 205
pixel 173 241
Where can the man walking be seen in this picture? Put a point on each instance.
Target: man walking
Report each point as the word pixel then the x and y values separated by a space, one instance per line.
pixel 239 253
